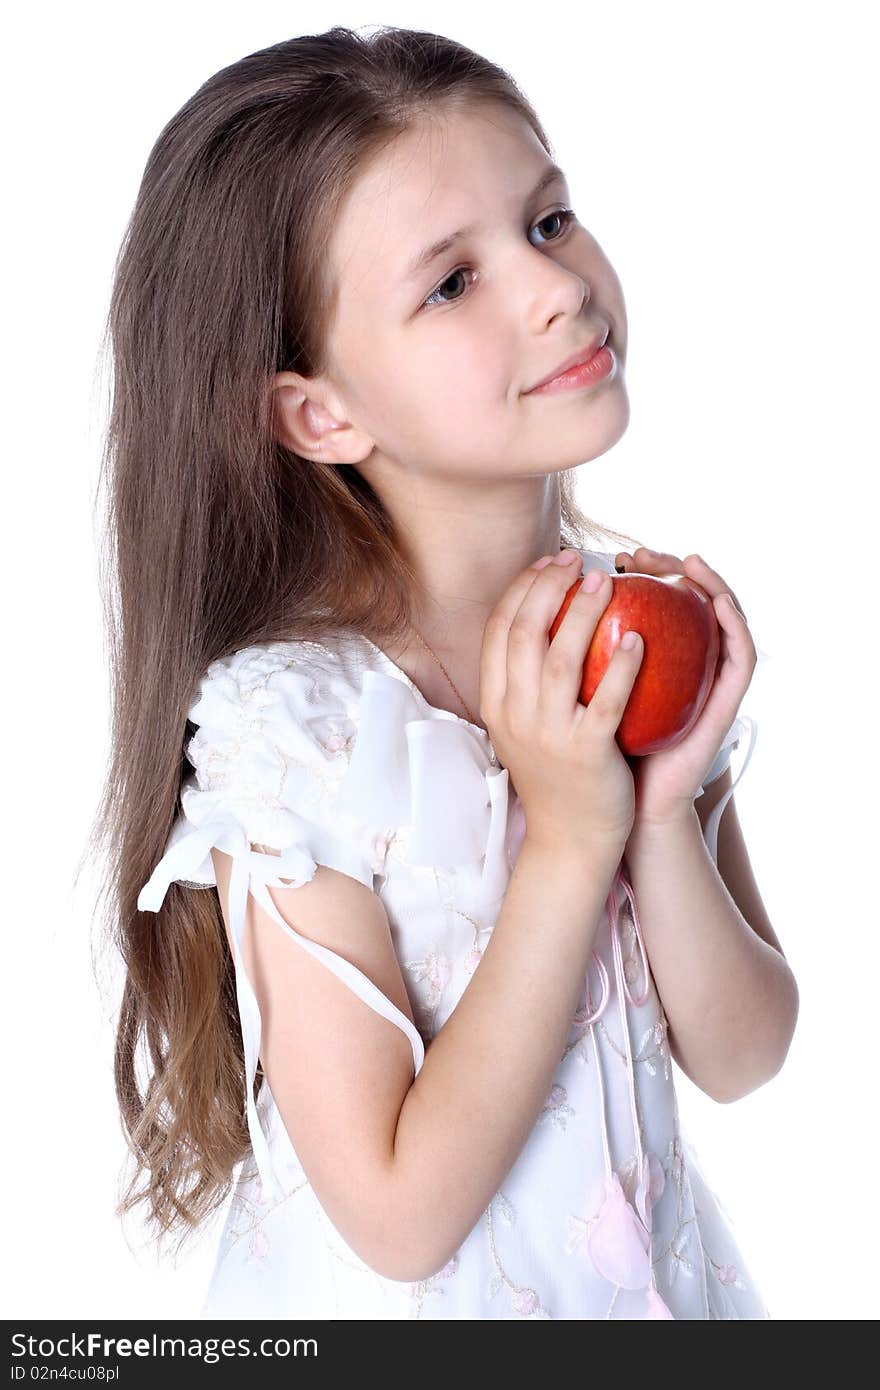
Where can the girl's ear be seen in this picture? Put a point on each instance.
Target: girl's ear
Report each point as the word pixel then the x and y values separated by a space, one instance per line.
pixel 302 423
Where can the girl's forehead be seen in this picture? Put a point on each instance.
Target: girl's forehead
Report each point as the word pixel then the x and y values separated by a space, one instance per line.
pixel 440 177
pixel 446 152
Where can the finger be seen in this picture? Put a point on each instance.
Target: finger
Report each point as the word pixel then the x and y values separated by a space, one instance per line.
pixel 643 561
pixel 605 710
pixel 529 635
pixel 562 675
pixel 735 669
pixel 708 579
pixel 737 644
pixel 657 562
pixel 737 663
pixel 720 710
pixel 493 652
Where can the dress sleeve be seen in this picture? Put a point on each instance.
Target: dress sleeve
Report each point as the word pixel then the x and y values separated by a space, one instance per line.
pixel 268 743
pixel 744 724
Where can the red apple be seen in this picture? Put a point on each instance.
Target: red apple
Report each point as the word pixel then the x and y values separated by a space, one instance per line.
pixel 681 644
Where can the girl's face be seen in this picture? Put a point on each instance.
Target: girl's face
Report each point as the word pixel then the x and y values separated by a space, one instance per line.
pixel 432 361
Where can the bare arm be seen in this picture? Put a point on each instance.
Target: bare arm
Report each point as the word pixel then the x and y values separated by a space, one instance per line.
pixel 405 1167
pixel 488 1071
pixel 730 997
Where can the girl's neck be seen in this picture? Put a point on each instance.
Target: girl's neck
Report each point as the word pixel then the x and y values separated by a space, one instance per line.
pixel 462 663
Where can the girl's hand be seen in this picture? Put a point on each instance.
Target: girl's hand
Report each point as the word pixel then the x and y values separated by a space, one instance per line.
pixel 667 783
pixel 571 777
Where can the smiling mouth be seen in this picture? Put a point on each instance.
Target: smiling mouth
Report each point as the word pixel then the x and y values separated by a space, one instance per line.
pixel 578 359
pixel 599 368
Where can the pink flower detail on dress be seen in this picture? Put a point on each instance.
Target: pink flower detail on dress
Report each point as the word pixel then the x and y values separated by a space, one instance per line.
pixel 727 1274
pixel 618 1242
pixel 336 743
pixel 259 1195
pixel 525 1302
pixel 555 1107
pixel 448 1269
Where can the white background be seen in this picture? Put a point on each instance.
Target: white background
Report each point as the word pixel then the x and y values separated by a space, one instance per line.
pixel 725 157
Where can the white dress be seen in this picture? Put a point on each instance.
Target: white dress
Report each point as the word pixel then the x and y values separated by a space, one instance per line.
pixel 331 754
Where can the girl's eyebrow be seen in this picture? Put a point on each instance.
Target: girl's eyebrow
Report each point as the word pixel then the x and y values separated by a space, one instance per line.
pixel 439 248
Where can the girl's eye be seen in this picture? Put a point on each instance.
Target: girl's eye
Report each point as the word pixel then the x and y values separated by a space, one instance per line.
pixel 565 215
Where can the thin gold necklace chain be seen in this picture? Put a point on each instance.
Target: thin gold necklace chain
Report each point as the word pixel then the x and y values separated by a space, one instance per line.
pixel 431 652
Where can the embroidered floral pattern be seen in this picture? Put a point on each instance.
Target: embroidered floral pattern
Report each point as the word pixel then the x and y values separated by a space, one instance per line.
pixel 673 1258
pixel 555 1109
pixel 632 964
pixel 446 883
pixel 432 974
pixel 652 1050
pixel 336 737
pixel 426 1288
pixel 525 1301
pixel 677 1255
pixel 264 754
pixel 252 1210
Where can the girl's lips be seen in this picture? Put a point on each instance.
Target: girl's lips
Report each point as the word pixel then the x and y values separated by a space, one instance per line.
pixel 600 367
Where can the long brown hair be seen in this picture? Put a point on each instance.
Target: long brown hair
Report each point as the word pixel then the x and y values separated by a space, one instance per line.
pixel 217 537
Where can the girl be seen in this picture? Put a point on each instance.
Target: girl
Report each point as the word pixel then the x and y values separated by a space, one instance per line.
pixel 416 1000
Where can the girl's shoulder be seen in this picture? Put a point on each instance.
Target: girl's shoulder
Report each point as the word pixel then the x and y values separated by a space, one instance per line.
pixel 275 729
pixel 277 680
pixel 278 705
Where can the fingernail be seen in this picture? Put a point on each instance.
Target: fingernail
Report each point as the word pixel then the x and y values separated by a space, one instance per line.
pixel 539 564
pixel 565 557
